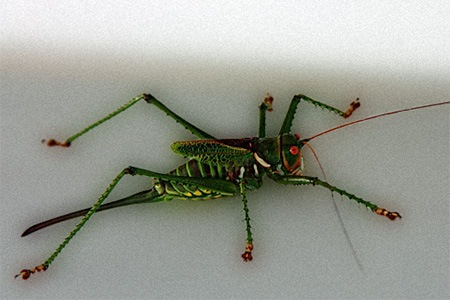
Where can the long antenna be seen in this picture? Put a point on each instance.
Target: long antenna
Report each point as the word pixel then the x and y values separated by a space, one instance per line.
pixel 374 117
pixel 338 213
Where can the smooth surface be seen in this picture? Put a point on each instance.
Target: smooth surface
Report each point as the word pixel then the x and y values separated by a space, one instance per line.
pixel 66 65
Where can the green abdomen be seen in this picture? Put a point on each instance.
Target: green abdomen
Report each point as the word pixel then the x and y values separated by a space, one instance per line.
pixel 192 168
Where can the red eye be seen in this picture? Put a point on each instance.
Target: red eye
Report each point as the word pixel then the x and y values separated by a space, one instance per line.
pixel 293 150
pixel 297 136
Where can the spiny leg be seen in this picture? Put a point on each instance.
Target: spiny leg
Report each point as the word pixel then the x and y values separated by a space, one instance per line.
pixel 287 123
pixel 226 188
pixel 353 106
pixel 247 256
pixel 147 98
pixel 307 180
pixel 26 273
pixel 222 186
pixel 266 105
pixel 193 129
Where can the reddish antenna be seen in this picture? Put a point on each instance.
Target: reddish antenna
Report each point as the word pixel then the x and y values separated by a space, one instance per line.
pixel 373 117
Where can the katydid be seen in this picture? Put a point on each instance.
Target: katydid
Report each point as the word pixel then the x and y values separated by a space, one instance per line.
pixel 219 168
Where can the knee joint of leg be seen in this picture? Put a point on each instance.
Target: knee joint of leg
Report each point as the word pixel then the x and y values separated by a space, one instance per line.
pixel 130 170
pixel 148 98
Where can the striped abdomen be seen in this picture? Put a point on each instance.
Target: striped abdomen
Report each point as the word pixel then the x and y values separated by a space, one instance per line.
pixel 194 168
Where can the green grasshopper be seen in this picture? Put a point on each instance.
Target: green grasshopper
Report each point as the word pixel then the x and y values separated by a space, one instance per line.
pixel 218 168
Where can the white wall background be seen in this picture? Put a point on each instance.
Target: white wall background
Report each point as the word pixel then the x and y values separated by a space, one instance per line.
pixel 67 64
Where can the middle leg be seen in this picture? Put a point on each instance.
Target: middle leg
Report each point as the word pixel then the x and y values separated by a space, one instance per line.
pixel 247 256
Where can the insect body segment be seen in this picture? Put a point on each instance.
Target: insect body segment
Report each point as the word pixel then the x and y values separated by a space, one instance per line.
pixel 291 154
pixel 216 168
pixel 169 189
pixel 218 152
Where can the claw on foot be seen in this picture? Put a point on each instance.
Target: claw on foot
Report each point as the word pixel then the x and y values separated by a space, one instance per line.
pixel 247 256
pixel 353 106
pixel 52 143
pixel 392 215
pixel 268 102
pixel 26 273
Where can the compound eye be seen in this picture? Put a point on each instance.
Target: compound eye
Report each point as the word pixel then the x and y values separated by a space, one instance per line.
pixel 293 150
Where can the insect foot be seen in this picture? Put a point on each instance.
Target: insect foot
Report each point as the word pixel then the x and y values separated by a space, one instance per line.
pixel 268 102
pixel 353 106
pixel 247 256
pixel 392 215
pixel 26 273
pixel 52 143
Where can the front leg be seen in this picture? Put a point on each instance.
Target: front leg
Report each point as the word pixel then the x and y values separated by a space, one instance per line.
pixel 307 180
pixel 287 123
